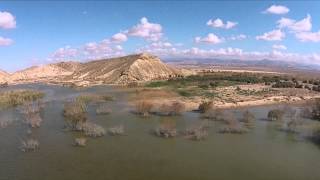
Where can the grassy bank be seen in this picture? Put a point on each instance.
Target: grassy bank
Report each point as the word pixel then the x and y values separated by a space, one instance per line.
pixel 18 97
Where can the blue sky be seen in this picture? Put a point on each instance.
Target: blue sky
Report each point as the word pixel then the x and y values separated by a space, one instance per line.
pixel 77 30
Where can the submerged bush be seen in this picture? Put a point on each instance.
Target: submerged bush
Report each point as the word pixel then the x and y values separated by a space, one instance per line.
pixel 143 108
pixel 75 113
pixel 292 123
pixel 88 98
pixel 315 112
pixel 80 142
pixel 213 114
pixel 197 133
pixel 275 115
pixel 233 125
pixel 205 106
pixel 176 108
pixel 5 123
pixel 116 130
pixel 167 129
pixel 29 145
pixel 31 114
pixel 91 129
pixel 18 97
pixel 103 109
pixel 248 119
pixel 315 134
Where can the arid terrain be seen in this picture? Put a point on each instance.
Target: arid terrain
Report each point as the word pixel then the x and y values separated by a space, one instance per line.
pixel 191 84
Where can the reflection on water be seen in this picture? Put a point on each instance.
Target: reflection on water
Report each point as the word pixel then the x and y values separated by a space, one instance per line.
pixel 263 153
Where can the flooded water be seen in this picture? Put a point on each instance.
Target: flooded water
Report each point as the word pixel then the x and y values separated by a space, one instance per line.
pixel 262 154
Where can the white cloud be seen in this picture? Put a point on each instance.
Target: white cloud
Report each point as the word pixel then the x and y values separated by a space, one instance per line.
pixel 64 53
pixel 119 38
pixel 218 23
pixel 275 35
pixel 210 38
pixel 308 36
pixel 277 9
pixel 5 41
pixel 147 30
pixel 279 47
pixel 238 37
pixel 7 20
pixel 296 26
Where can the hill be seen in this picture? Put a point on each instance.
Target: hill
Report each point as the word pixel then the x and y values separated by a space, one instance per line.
pixel 122 70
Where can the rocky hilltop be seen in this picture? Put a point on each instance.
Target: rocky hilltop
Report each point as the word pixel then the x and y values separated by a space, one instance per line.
pixel 122 70
pixel 132 68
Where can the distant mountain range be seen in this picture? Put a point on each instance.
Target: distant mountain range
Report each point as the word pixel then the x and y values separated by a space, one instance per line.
pixel 265 63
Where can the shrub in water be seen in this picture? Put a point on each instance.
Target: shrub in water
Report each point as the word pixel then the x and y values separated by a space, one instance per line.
pixel 233 125
pixel 80 142
pixel 275 115
pixel 248 119
pixel 29 145
pixel 196 133
pixel 176 108
pixel 167 129
pixel 103 109
pixel 116 130
pixel 75 113
pixel 91 129
pixel 143 108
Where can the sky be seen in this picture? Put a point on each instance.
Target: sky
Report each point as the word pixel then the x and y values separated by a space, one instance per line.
pixel 41 32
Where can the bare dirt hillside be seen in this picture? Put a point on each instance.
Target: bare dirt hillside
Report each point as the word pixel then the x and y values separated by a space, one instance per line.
pixel 122 70
pixel 3 76
pixel 45 72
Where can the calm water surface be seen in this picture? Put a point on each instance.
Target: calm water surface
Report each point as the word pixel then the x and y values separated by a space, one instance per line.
pixel 262 154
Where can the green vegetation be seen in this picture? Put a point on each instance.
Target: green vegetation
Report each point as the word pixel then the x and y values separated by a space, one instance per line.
pixel 248 119
pixel 18 97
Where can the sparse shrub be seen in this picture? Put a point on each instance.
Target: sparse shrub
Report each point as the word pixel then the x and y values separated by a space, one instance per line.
pixel 292 123
pixel 284 84
pixel 197 133
pixel 143 108
pixel 88 98
pixel 248 119
pixel 205 106
pixel 213 114
pixel 29 145
pixel 91 129
pixel 116 130
pixel 103 109
pixel 233 126
pixel 80 142
pixel 176 108
pixel 315 134
pixel 5 123
pixel 275 115
pixel 75 113
pixel 31 114
pixel 167 129
pixel 315 112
